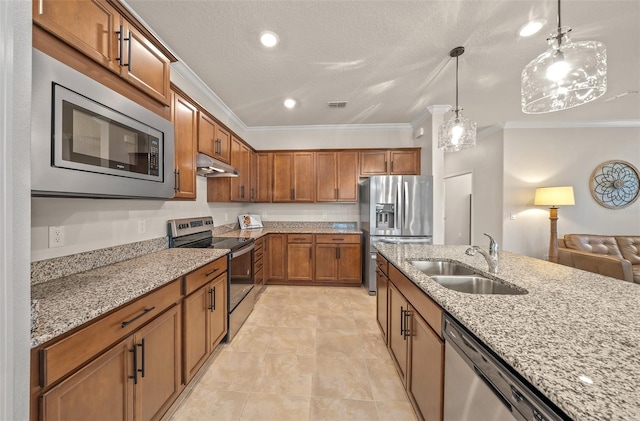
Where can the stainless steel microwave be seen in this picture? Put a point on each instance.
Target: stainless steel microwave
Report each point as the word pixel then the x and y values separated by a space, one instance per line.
pixel 89 141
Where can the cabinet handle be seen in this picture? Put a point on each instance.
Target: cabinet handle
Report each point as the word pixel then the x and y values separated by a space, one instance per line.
pixel 385 166
pixel 310 253
pixel 217 146
pixel 401 321
pixel 335 193
pixel 407 331
pixel 135 365
pixel 253 194
pixel 121 51
pixel 141 345
pixel 212 296
pixel 391 166
pixel 206 275
pixel 121 40
pixel 129 52
pixel 337 239
pixel 242 191
pixel 338 250
pixel 177 177
pixel 145 311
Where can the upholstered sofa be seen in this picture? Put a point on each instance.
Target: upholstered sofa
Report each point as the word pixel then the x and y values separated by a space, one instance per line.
pixel 617 256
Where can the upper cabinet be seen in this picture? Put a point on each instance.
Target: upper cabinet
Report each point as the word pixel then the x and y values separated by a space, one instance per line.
pixel 293 177
pixel 261 169
pixel 390 162
pixel 109 37
pixel 184 116
pixel 337 176
pixel 213 139
pixel 240 159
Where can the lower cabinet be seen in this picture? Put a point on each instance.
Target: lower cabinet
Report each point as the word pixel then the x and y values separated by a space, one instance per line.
pixel 338 259
pixel 382 297
pixel 415 344
pixel 276 256
pixel 205 323
pixel 300 257
pixel 136 379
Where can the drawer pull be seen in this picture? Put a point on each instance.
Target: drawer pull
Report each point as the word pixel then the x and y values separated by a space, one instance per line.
pixel 337 239
pixel 145 311
pixel 211 273
pixel 212 297
pixel 141 345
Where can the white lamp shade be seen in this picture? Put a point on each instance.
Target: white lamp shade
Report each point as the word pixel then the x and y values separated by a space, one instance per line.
pixel 565 76
pixel 456 134
pixel 554 196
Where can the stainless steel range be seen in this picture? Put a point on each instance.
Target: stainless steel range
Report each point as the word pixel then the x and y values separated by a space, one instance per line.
pixel 198 233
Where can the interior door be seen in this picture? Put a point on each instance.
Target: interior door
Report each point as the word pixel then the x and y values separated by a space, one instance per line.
pixel 457 209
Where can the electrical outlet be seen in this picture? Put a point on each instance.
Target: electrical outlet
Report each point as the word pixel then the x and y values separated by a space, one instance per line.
pixel 56 236
pixel 226 217
pixel 324 215
pixel 142 226
pixel 264 215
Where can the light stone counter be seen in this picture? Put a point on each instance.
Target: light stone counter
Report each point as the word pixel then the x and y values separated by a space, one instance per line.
pixel 261 232
pixel 571 325
pixel 67 302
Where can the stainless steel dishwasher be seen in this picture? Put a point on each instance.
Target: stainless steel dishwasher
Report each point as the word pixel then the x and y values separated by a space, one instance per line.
pixel 478 387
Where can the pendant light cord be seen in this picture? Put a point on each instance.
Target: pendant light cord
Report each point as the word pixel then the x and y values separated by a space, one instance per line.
pixel 456 87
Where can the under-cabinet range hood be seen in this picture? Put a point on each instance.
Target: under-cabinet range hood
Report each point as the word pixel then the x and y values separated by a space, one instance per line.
pixel 210 167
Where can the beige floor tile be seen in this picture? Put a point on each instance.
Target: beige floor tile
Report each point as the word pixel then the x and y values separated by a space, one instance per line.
pixel 385 382
pixel 345 378
pixel 205 404
pixel 338 343
pixel 336 320
pixel 366 323
pixel 290 340
pixel 373 345
pixel 285 374
pixel 330 409
pixel 251 338
pixel 330 304
pixel 268 407
pixel 232 371
pixel 395 411
pixel 272 300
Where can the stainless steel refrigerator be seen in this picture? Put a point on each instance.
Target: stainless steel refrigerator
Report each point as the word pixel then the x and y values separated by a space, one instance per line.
pixel 394 209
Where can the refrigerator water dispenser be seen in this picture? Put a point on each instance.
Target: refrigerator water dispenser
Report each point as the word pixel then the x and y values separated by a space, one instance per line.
pixel 385 215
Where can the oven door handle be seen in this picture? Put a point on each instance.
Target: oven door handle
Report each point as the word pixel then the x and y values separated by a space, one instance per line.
pixel 243 250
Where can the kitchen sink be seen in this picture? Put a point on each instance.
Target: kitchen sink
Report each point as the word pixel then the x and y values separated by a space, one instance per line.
pixel 441 267
pixel 476 284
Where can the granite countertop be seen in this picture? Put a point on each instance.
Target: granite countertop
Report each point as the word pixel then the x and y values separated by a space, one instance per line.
pixel 261 232
pixel 62 304
pixel 571 325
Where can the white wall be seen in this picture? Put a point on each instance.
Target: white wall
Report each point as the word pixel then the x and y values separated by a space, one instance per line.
pixel 562 157
pixel 485 162
pixel 15 103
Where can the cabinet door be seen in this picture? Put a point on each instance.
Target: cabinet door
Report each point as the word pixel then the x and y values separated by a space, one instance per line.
pixel 264 166
pixel 217 310
pixel 326 177
pixel 185 118
pixel 426 374
pixel 347 183
pixel 195 334
pixel 207 143
pixel 300 262
pixel 326 262
pixel 282 180
pixel 223 137
pixel 146 67
pixel 240 158
pixel 398 344
pixel 405 162
pixel 303 177
pixel 101 390
pixel 88 26
pixel 382 303
pixel 277 257
pixel 158 356
pixel 350 263
pixel 373 163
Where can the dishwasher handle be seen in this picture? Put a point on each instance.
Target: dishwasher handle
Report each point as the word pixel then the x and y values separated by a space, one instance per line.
pixel 493 388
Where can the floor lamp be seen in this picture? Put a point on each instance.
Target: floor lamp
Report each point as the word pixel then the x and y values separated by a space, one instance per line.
pixel 554 197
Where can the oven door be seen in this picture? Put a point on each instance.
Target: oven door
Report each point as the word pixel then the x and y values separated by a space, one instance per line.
pixel 240 275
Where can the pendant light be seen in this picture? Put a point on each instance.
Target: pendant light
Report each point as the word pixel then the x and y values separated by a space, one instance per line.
pixel 568 74
pixel 457 133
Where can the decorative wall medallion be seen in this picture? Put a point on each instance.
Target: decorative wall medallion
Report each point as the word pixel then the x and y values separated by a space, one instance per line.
pixel 615 184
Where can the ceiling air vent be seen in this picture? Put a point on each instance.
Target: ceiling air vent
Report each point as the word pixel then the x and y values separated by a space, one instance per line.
pixel 337 104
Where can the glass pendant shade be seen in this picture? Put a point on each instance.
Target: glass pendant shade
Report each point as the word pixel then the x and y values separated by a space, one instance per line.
pixel 568 74
pixel 457 133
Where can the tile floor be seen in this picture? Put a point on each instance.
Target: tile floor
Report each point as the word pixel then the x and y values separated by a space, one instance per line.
pixel 305 353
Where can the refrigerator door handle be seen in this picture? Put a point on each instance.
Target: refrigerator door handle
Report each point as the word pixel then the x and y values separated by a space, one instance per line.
pixel 405 214
pixel 397 223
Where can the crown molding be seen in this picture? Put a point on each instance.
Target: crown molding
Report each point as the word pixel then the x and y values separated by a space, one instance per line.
pixel 328 127
pixel 571 124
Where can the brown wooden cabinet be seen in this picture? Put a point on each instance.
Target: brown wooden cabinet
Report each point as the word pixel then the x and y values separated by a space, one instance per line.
pixel 223 141
pixel 336 176
pixel 241 160
pixel 261 177
pixel 398 345
pixel 184 116
pixel 205 317
pixel 390 162
pixel 293 177
pixel 276 250
pixel 213 139
pixel 300 257
pixel 382 297
pixel 338 259
pixel 104 34
pixel 137 379
pixel 258 265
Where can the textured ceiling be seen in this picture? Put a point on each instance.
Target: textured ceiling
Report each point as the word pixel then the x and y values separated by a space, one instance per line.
pixel 388 59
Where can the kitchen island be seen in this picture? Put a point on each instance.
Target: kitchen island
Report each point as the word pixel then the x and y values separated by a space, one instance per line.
pixel 574 336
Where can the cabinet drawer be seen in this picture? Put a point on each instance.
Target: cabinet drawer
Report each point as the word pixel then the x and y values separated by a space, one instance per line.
pixel 300 238
pixel 258 265
pixel 382 264
pixel 65 355
pixel 258 277
pixel 430 311
pixel 258 251
pixel 338 238
pixel 206 273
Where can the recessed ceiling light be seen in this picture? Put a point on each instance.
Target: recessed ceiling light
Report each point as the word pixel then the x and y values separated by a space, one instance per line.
pixel 531 27
pixel 289 103
pixel 269 39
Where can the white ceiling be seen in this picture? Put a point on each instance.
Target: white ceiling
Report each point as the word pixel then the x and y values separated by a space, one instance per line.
pixel 388 59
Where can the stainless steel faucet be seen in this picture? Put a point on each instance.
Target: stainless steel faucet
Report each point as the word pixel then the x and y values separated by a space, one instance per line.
pixel 491 257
